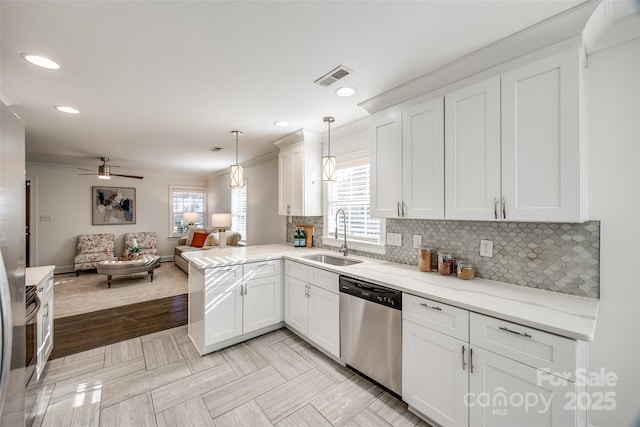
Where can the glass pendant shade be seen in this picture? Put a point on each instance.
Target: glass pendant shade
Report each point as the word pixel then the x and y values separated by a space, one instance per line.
pixel 328 169
pixel 237 176
pixel 328 161
pixel 236 172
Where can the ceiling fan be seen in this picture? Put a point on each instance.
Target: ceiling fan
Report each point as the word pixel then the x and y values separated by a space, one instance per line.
pixel 104 170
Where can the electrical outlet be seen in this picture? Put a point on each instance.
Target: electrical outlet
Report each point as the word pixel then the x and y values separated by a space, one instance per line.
pixel 417 241
pixel 394 239
pixel 46 218
pixel 486 248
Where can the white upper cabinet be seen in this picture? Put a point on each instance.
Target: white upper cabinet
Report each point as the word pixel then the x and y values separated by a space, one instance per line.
pixel 407 161
pixel 472 151
pixel 386 164
pixel 299 174
pixel 542 148
pixel 513 145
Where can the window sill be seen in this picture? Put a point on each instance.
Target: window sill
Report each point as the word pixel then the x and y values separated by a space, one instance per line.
pixel 374 248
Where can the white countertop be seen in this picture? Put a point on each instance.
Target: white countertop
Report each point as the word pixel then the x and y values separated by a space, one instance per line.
pixel 566 315
pixel 34 275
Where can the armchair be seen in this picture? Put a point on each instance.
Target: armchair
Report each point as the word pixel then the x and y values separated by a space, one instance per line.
pixel 92 248
pixel 146 241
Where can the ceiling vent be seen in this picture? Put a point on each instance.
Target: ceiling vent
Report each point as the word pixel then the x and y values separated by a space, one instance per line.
pixel 333 76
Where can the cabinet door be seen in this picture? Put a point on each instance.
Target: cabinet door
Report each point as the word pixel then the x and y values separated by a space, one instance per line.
pixel 504 392
pixel 285 182
pixel 435 374
pixel 324 319
pixel 296 304
pixel 423 160
pixel 472 151
pixel 386 164
pixel 541 140
pixel 262 303
pixel 223 313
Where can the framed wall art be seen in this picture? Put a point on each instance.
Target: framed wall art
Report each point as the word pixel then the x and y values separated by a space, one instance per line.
pixel 113 205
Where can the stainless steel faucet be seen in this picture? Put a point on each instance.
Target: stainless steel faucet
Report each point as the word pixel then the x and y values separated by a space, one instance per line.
pixel 344 248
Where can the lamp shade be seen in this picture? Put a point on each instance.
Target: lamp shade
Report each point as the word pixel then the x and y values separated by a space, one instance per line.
pixel 190 216
pixel 237 176
pixel 221 220
pixel 328 169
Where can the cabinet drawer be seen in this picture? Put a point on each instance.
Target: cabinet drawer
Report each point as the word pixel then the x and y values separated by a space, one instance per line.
pixel 222 276
pixel 255 270
pixel 297 270
pixel 324 279
pixel 449 320
pixel 532 347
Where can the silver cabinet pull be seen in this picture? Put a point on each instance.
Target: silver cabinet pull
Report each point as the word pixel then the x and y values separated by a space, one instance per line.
pixel 241 290
pixel 522 334
pixel 263 264
pixel 471 360
pixel 495 208
pixel 40 289
pixel 246 289
pixel 504 208
pixel 398 208
pixel 464 362
pixel 432 307
pixel 403 209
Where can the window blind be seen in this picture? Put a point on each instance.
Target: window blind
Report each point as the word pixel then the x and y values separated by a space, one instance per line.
pixel 239 211
pixel 187 200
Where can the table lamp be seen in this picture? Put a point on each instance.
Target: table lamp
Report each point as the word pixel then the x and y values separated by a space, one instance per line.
pixel 222 221
pixel 190 218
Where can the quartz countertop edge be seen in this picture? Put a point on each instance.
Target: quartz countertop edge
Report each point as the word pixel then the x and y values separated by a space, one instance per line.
pixel 34 275
pixel 566 315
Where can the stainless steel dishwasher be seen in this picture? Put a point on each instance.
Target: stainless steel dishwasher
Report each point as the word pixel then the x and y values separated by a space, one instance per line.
pixel 371 331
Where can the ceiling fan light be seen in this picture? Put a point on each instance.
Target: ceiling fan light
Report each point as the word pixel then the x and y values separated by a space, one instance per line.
pixel 102 176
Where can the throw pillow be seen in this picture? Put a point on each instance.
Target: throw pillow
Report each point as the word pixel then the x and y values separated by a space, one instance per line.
pixel 198 239
pixel 233 238
pixel 192 231
pixel 212 240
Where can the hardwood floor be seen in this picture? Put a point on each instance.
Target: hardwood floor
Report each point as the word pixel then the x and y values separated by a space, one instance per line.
pixel 82 332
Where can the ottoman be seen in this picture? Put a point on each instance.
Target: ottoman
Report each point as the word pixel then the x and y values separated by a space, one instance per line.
pixel 146 264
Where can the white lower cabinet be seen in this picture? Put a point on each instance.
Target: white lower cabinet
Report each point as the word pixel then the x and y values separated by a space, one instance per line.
pixel 454 372
pixel 313 306
pixel 504 392
pixel 434 374
pixel 228 305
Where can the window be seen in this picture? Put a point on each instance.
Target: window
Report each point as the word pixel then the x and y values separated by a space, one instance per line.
pixel 239 211
pixel 350 192
pixel 186 199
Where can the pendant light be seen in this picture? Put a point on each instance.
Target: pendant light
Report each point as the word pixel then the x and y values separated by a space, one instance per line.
pixel 237 171
pixel 328 161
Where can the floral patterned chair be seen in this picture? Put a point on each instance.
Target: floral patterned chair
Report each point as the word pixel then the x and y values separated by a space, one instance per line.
pixel 92 248
pixel 145 241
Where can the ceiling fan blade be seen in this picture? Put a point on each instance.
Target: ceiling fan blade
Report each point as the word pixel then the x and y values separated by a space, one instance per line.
pixel 128 176
pixel 94 174
pixel 85 169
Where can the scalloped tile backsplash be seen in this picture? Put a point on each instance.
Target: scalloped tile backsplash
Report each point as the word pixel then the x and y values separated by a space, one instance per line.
pixel 553 256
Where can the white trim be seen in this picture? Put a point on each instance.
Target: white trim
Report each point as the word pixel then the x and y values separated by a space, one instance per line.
pixel 373 248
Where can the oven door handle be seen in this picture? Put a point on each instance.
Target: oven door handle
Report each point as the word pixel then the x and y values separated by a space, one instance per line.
pixel 34 312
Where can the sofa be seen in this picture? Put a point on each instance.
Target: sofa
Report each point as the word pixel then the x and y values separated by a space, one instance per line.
pixel 200 243
pixel 92 248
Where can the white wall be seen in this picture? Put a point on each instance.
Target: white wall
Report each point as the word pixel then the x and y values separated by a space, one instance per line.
pixel 264 225
pixel 66 197
pixel 613 98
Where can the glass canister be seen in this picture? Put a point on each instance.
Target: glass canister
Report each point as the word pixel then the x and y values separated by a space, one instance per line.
pixel 465 270
pixel 425 258
pixel 445 263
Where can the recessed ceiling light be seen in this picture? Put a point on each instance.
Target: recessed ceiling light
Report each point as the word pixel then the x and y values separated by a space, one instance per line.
pixel 345 91
pixel 40 61
pixel 281 123
pixel 66 109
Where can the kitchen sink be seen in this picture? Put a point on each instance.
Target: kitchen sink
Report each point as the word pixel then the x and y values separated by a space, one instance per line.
pixel 333 260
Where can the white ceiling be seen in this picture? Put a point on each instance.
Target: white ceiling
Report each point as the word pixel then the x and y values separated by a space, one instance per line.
pixel 160 83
